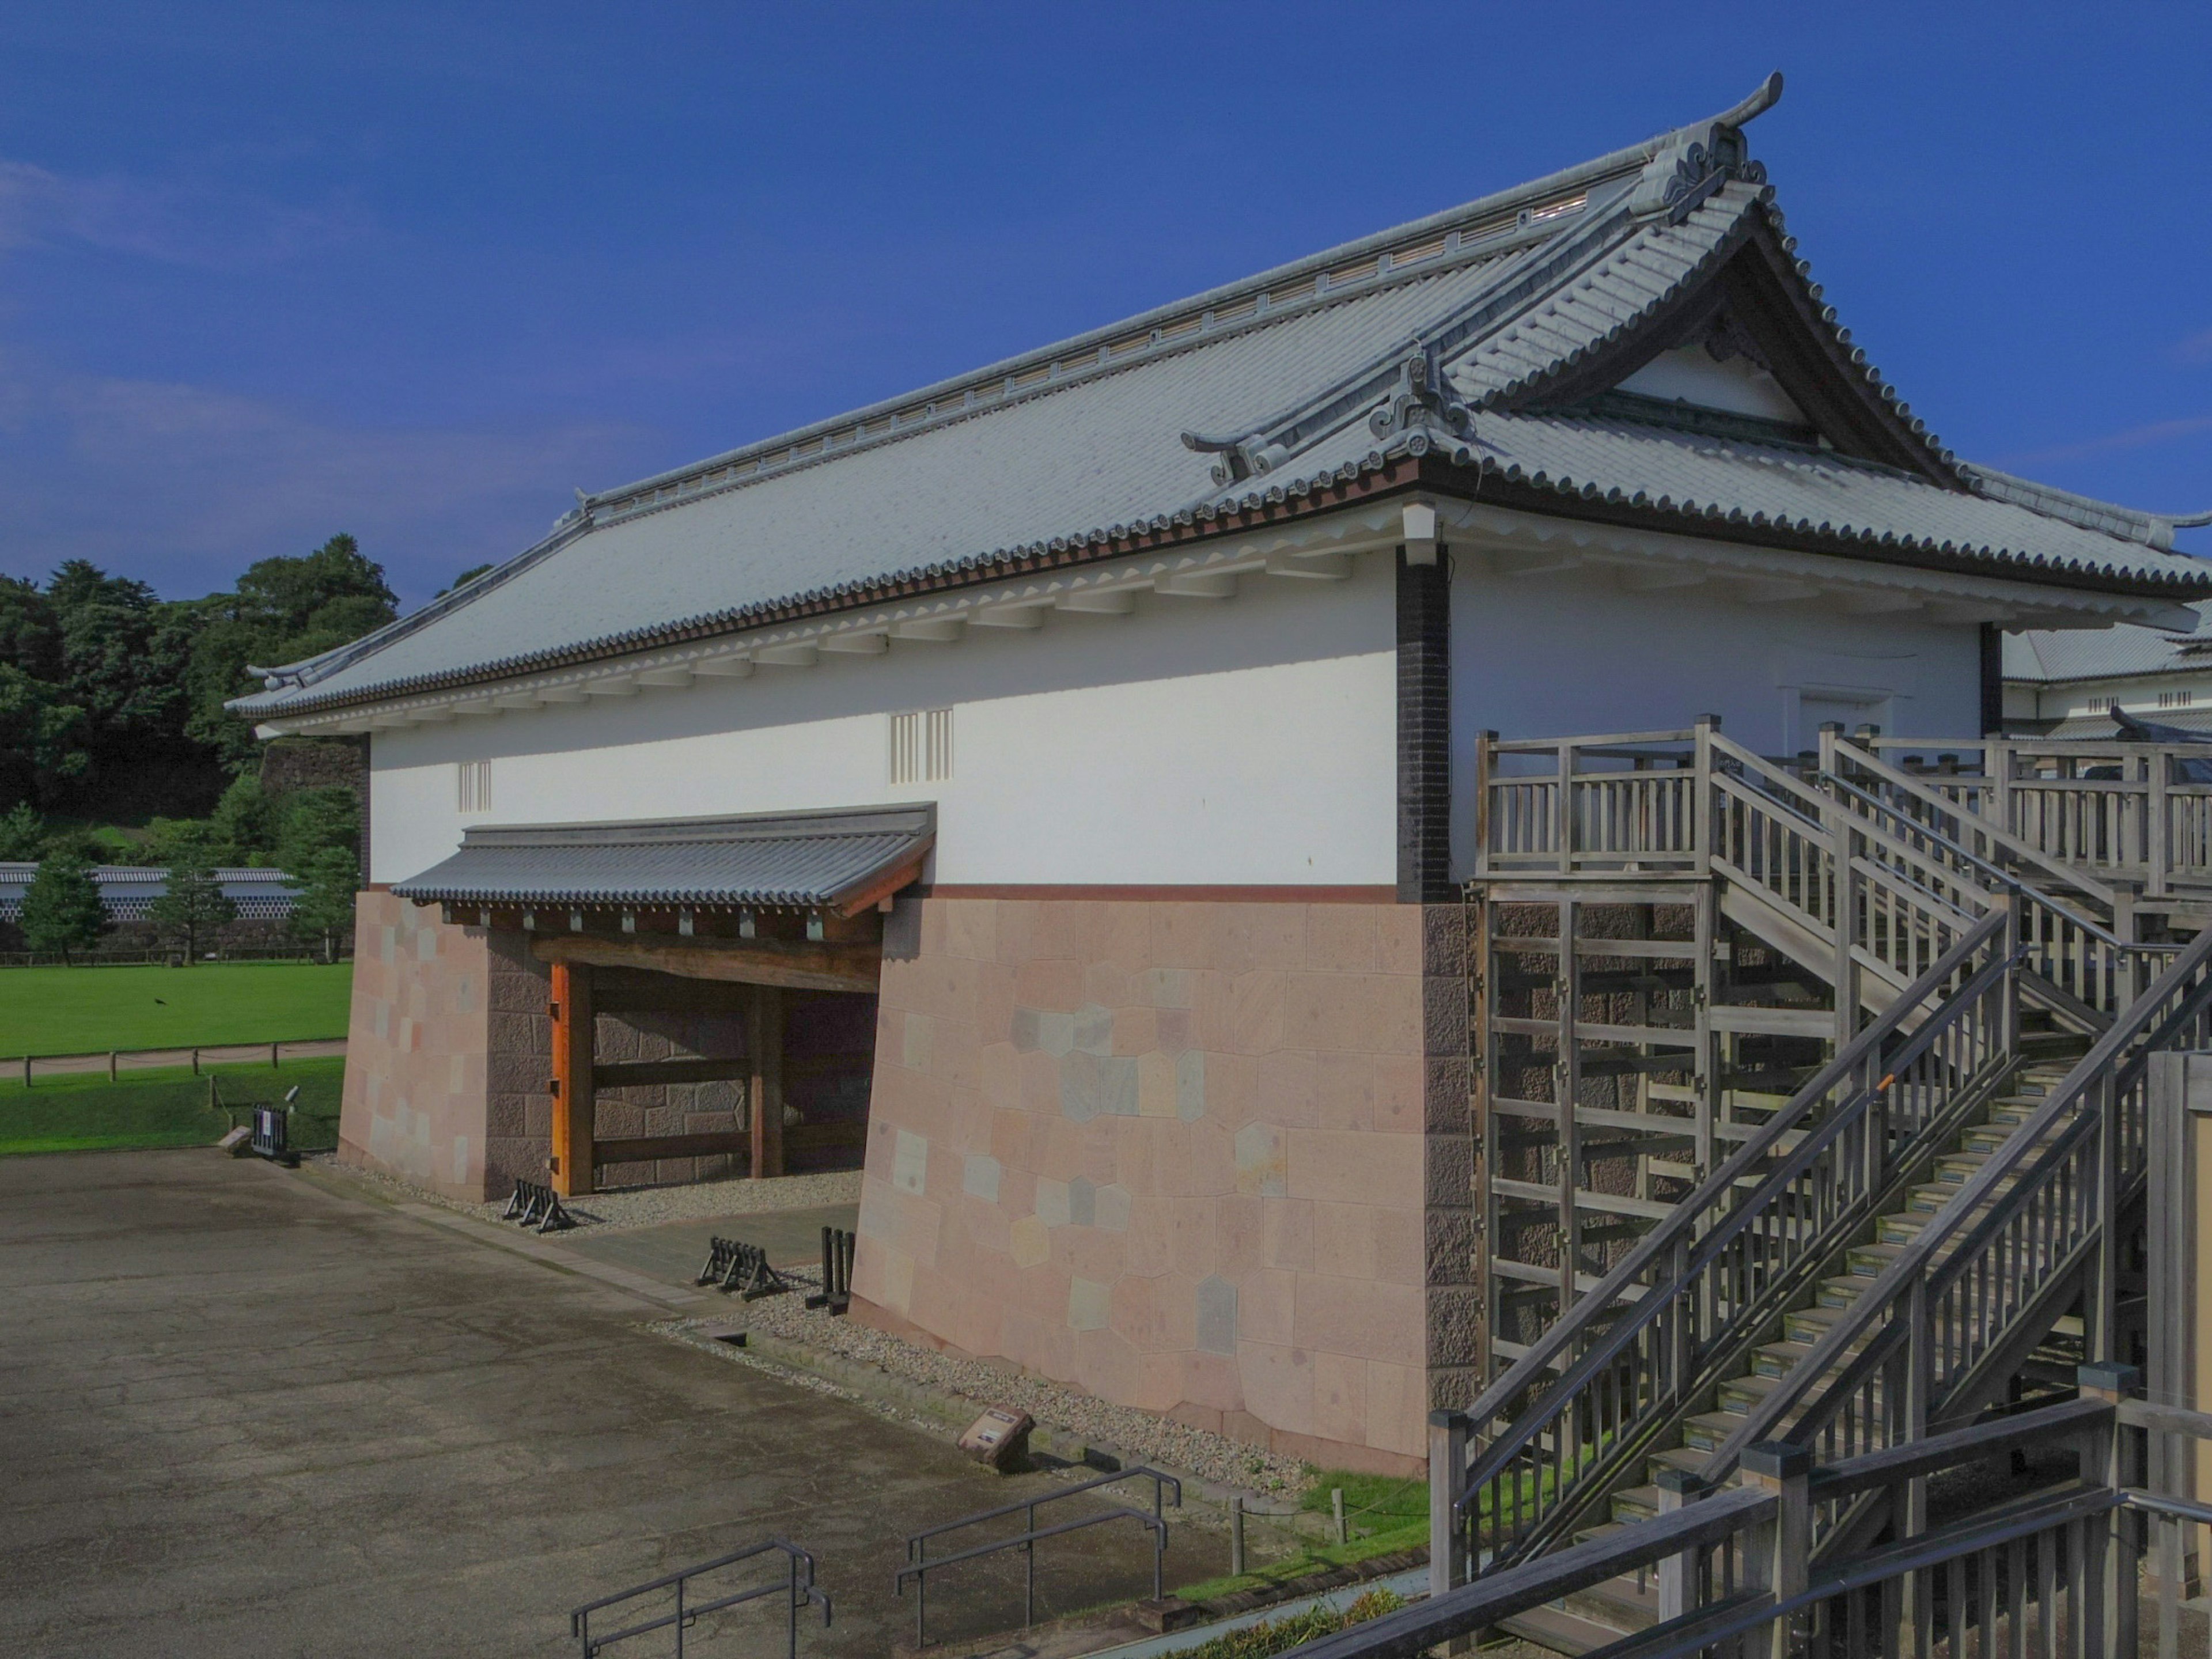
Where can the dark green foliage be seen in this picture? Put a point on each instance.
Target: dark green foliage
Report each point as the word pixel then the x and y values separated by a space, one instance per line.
pixel 283 609
pixel 194 906
pixel 43 738
pixel 1274 1636
pixel 61 910
pixel 323 911
pixel 112 698
pixel 23 834
pixel 464 579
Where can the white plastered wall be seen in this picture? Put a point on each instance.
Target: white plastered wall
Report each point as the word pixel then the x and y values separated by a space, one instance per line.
pixel 1245 741
pixel 1575 654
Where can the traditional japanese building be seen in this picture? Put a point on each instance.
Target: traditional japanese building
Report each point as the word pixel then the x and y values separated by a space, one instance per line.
pixel 1050 789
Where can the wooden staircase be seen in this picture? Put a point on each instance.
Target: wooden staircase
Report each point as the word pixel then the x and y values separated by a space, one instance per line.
pixel 1784 1072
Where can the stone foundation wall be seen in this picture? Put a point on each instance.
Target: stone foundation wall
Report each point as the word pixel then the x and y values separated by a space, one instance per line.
pixel 448 1053
pixel 1183 1155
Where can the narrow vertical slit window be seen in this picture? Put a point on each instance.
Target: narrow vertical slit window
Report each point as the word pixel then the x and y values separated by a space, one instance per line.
pixel 473 786
pixel 921 746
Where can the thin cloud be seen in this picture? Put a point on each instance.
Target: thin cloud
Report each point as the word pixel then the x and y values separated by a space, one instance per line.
pixel 184 485
pixel 2135 437
pixel 201 224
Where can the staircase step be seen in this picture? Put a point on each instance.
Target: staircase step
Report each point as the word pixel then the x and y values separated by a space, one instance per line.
pixel 1688 1459
pixel 1708 1431
pixel 1560 1631
pixel 1637 1503
pixel 1750 1390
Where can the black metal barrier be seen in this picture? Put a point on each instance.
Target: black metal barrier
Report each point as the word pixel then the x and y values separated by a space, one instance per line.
pixel 836 1292
pixel 271 1134
pixel 918 1565
pixel 733 1265
pixel 535 1204
pixel 797 1587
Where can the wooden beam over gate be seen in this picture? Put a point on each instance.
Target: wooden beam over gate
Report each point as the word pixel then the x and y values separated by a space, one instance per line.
pixel 573 1099
pixel 788 964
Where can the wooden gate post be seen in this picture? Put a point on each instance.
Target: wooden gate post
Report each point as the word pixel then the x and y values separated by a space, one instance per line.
pixel 764 1095
pixel 572 1100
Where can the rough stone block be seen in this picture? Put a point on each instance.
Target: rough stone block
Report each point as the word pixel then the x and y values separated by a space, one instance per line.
pixel 1455 1325
pixel 1448 1245
pixel 1448 1178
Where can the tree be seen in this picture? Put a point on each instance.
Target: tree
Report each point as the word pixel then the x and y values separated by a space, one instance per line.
pixel 44 739
pixel 62 909
pixel 325 907
pixel 23 834
pixel 310 820
pixel 193 906
pixel 463 579
pixel 283 610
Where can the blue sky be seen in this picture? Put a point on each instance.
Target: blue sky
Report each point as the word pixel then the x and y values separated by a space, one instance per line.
pixel 267 272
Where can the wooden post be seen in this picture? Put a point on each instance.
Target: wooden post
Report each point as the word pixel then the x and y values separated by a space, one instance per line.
pixel 764 1098
pixel 1448 1432
pixel 1776 1555
pixel 573 1057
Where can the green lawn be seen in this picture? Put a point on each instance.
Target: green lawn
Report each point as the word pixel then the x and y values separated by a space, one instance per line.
pixel 166 1107
pixel 75 1011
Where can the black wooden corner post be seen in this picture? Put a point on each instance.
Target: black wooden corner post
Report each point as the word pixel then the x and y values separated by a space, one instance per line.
pixel 1423 722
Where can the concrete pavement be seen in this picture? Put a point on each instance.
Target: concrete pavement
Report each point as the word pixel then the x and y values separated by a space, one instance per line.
pixel 242 1412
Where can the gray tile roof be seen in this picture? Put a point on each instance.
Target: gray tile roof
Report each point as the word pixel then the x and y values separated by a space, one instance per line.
pixel 127 891
pixel 2111 653
pixel 808 860
pixel 1305 369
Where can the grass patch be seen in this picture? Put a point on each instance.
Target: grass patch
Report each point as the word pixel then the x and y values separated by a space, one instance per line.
pixel 166 1107
pixel 1273 1636
pixel 1381 1515
pixel 77 1011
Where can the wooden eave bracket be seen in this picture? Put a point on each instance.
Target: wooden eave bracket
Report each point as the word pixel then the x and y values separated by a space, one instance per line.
pixel 874 890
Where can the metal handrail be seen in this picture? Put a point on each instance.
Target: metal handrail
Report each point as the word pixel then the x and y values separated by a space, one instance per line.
pixel 919 1566
pixel 800 1592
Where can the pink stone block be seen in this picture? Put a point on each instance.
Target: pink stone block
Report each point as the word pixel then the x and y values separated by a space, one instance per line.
pixel 1397 1409
pixel 1354 1168
pixel 1123 936
pixel 1262 936
pixel 1344 1091
pixel 970 928
pixel 1212 1380
pixel 1286 1233
pixel 1185 935
pixel 1340 1398
pixel 1191 1248
pixel 1277 1385
pixel 1361 1318
pixel 1344 938
pixel 1398 939
pixel 1285 1090
pixel 1398 1090
pixel 1148 1251
pixel 1017 930
pixel 1107 984
pixel 1054 983
pixel 1106 1364
pixel 1136 1031
pixel 1267 1308
pixel 1242 1014
pixel 1238 1233
pixel 1159 1382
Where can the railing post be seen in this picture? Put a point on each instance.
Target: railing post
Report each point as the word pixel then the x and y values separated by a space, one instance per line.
pixel 1842 894
pixel 1448 1432
pixel 2102 1337
pixel 1701 811
pixel 2159 832
pixel 1563 834
pixel 1778 1555
pixel 1681 1589
pixel 1485 763
pixel 2117 1596
pixel 1911 1517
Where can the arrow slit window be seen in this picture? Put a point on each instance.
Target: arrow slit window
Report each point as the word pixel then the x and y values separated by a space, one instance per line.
pixel 472 785
pixel 921 746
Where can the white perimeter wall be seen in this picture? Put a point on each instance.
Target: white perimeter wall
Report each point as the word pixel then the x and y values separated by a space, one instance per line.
pixel 1237 742
pixel 1575 654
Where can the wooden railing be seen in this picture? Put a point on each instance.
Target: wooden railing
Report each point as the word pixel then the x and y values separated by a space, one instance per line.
pixel 1576 1416
pixel 2014 1239
pixel 2137 815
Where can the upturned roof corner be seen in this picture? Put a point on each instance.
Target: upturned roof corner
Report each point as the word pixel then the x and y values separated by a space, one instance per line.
pixel 1690 163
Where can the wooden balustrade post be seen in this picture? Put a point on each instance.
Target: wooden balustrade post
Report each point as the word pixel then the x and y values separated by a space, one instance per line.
pixel 2159 831
pixel 1778 1555
pixel 1910 1508
pixel 764 1092
pixel 2102 1339
pixel 1448 1433
pixel 1702 837
pixel 1563 834
pixel 1681 1588
pixel 1485 763
pixel 2114 1462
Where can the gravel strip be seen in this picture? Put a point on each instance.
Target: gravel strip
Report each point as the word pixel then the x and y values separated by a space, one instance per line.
pixel 1058 1407
pixel 631 1207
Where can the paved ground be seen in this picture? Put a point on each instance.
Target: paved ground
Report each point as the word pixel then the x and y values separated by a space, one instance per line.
pixel 244 1413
